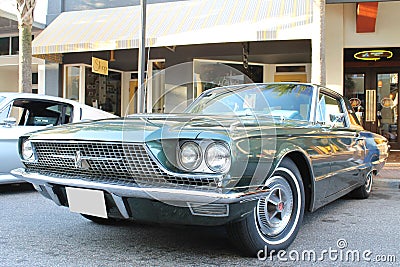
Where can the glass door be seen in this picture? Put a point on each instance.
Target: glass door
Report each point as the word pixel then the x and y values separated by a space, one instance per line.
pixel 387 108
pixel 354 84
pixel 373 93
pixel 72 82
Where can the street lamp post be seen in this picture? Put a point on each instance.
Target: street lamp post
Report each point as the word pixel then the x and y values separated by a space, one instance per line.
pixel 142 59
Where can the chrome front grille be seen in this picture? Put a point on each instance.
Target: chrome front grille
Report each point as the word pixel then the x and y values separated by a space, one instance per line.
pixel 115 163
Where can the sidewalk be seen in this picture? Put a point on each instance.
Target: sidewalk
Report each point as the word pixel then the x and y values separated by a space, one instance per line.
pixel 390 171
pixel 392 167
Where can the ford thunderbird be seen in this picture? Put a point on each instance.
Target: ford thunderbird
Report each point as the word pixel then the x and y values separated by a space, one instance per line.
pixel 251 157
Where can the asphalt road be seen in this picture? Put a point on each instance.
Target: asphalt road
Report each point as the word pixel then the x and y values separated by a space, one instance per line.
pixel 35 232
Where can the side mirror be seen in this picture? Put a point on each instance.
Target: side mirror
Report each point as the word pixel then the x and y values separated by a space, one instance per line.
pixel 336 118
pixel 10 122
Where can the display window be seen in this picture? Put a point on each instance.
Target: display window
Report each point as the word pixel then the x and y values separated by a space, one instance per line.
pixel 96 90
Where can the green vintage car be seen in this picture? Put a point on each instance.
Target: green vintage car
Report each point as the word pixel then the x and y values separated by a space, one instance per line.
pixel 252 157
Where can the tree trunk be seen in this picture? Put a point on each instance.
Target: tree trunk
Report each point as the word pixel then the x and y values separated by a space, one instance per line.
pixel 25 59
pixel 25 20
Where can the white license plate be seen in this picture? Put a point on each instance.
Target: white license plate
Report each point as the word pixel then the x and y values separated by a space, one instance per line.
pixel 86 201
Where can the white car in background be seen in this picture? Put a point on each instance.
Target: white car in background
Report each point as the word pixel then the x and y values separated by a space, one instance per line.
pixel 21 113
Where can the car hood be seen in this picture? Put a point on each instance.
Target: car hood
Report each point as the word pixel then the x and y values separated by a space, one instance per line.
pixel 148 127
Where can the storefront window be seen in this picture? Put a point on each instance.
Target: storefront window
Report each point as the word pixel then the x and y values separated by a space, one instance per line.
pixel 15 45
pixel 208 74
pixel 103 91
pixel 4 46
pixel 72 82
pixel 156 84
pixel 171 90
pixel 354 90
pixel 387 104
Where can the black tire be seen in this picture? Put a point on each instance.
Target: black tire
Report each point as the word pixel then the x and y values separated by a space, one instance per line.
pixel 102 221
pixel 364 191
pixel 258 233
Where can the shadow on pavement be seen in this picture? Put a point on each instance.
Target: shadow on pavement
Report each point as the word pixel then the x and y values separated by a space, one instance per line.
pixel 16 188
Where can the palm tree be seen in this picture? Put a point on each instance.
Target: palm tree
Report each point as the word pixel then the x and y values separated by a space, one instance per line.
pixel 25 20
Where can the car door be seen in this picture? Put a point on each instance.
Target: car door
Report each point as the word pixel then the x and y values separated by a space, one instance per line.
pixel 347 147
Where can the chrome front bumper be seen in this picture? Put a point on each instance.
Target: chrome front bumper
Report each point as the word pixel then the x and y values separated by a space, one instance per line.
pixel 160 194
pixel 7 178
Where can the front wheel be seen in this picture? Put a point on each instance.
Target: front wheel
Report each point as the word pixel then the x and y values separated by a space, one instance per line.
pixel 363 191
pixel 276 218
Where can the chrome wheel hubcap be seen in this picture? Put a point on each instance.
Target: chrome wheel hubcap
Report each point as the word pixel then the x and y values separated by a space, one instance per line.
pixel 368 182
pixel 275 210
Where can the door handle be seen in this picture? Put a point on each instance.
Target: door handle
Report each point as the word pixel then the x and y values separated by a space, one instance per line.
pixel 359 138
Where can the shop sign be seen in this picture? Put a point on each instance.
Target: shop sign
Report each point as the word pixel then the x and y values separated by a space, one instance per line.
pixel 355 102
pixel 99 66
pixel 374 55
pixel 387 102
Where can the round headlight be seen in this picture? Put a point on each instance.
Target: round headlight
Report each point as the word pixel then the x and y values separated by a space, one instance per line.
pixel 218 157
pixel 27 150
pixel 189 156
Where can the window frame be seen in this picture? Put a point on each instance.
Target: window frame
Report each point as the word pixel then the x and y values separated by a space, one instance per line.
pixel 341 104
pixel 63 105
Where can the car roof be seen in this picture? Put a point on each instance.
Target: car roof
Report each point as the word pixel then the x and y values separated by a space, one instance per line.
pixel 13 95
pixel 38 96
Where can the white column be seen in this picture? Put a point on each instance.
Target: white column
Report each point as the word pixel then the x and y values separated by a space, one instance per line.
pixel 41 78
pixel 318 72
pixel 82 84
pixel 334 51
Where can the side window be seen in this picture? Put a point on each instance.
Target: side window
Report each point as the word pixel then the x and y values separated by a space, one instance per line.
pixel 19 114
pixel 33 112
pixel 46 113
pixel 329 111
pixel 68 114
pixel 4 112
pixel 62 112
pixel 354 117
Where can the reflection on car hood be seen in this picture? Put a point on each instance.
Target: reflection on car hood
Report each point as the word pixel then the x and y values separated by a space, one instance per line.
pixel 146 127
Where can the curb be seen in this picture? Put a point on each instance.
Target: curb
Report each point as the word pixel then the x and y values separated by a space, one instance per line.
pixel 392 164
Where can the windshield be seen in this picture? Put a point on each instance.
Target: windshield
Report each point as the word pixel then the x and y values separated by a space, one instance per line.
pixel 3 110
pixel 289 101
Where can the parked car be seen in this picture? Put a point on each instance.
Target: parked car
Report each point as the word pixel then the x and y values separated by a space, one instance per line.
pixel 252 157
pixel 23 113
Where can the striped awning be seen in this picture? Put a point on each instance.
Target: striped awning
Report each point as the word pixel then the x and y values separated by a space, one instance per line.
pixel 177 23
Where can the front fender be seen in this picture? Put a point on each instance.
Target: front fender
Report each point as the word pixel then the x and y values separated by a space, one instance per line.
pixel 303 162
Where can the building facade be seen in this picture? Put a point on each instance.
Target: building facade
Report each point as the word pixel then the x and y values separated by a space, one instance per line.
pixel 363 36
pixel 9 46
pixel 255 41
pixel 194 45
